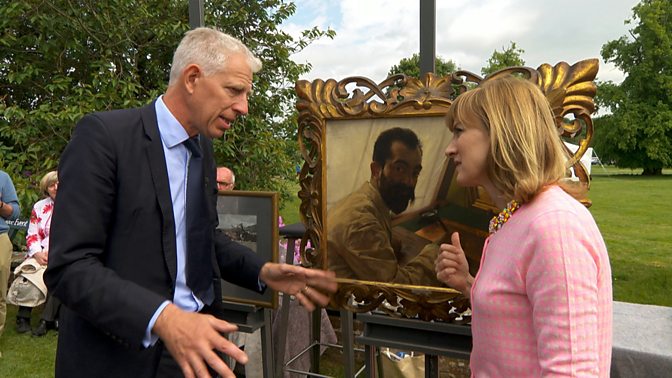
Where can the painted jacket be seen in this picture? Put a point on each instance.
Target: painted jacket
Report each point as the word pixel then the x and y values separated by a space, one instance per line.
pixel 359 238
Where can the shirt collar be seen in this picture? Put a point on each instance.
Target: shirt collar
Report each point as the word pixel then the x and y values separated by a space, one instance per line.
pixel 171 131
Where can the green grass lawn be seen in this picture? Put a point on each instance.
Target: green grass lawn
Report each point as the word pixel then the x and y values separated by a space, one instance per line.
pixel 25 356
pixel 289 210
pixel 633 213
pixel 634 216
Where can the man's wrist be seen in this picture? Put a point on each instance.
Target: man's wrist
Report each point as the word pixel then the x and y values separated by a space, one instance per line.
pixel 163 319
pixel 151 337
pixel 2 204
pixel 263 273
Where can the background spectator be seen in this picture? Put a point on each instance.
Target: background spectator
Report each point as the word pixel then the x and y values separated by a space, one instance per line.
pixel 9 210
pixel 37 242
pixel 226 180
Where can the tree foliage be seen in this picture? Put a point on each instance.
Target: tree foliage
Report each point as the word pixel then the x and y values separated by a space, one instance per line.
pixel 411 66
pixel 61 59
pixel 508 57
pixel 638 132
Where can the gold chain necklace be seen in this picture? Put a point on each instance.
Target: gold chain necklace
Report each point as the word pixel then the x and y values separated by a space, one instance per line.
pixel 498 221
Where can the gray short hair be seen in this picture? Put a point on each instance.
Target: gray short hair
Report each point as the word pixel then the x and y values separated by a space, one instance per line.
pixel 209 48
pixel 47 180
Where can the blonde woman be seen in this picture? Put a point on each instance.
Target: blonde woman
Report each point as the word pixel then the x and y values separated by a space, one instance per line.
pixel 542 299
pixel 37 242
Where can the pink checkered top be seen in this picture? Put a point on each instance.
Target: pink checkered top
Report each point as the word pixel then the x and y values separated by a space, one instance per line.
pixel 542 299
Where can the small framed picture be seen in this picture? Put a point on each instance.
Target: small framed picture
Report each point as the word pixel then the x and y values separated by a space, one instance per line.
pixel 251 219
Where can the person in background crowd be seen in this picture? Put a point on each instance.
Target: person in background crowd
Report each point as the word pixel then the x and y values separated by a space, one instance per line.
pixel 542 298
pixel 226 180
pixel 37 242
pixel 135 254
pixel 9 210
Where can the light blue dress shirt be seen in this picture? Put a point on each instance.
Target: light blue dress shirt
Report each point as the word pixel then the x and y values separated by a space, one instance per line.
pixel 177 162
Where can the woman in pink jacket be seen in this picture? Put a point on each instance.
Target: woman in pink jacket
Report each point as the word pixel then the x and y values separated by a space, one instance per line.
pixel 542 298
pixel 37 242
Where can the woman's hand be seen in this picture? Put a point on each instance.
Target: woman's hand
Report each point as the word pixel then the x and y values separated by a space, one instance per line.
pixel 452 267
pixel 42 257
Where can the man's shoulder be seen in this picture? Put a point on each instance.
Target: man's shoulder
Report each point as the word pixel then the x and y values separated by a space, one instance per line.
pixel 5 179
pixel 121 114
pixel 118 121
pixel 357 207
pixel 358 200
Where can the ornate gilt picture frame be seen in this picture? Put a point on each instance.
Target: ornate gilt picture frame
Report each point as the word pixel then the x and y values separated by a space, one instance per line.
pixel 338 122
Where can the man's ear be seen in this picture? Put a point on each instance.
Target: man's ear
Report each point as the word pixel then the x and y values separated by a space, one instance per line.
pixel 376 169
pixel 190 76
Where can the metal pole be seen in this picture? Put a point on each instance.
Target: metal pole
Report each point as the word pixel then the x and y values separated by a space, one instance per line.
pixel 196 13
pixel 427 36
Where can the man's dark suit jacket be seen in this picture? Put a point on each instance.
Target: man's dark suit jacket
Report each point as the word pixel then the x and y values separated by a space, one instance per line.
pixel 112 257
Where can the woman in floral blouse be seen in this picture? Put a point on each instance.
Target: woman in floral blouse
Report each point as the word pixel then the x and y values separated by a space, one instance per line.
pixel 37 242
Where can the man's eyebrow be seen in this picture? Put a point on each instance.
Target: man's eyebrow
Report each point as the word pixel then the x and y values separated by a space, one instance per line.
pixel 401 161
pixel 406 164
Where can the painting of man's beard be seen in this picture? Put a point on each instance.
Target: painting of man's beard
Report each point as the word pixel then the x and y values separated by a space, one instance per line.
pixel 397 196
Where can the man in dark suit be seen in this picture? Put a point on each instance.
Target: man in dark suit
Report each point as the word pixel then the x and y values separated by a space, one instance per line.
pixel 135 255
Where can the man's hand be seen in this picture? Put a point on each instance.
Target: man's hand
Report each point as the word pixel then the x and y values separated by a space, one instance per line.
pixel 42 257
pixel 192 339
pixel 309 286
pixel 452 267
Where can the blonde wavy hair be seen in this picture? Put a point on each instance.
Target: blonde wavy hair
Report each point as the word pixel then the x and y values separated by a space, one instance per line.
pixel 47 180
pixel 526 153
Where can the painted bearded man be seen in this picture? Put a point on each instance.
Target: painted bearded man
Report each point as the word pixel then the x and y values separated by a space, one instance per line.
pixel 360 242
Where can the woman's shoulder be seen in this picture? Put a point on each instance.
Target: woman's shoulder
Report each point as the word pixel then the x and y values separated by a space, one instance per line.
pixel 555 199
pixel 42 203
pixel 549 207
pixel 555 208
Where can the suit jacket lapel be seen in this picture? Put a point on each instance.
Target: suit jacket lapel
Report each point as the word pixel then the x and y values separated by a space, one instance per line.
pixel 157 164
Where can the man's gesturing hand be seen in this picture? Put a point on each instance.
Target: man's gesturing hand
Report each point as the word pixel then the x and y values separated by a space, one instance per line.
pixel 310 286
pixel 192 339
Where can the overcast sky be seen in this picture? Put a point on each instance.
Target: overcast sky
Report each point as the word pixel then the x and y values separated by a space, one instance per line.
pixel 374 35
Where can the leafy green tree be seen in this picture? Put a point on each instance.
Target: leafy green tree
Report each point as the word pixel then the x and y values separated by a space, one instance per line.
pixel 411 66
pixel 638 132
pixel 61 59
pixel 508 57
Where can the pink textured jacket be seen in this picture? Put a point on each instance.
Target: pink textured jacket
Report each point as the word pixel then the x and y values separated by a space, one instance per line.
pixel 542 299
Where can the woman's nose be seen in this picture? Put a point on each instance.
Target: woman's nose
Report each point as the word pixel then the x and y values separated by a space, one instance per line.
pixel 450 150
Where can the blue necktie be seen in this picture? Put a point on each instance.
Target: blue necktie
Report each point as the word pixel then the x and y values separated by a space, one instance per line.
pixel 198 234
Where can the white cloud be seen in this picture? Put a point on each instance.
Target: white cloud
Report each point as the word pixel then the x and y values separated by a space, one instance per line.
pixel 373 35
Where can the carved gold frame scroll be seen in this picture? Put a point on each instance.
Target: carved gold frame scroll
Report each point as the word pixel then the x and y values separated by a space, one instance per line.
pixel 570 90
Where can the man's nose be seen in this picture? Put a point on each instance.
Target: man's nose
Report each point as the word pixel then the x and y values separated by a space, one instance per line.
pixel 410 180
pixel 240 106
